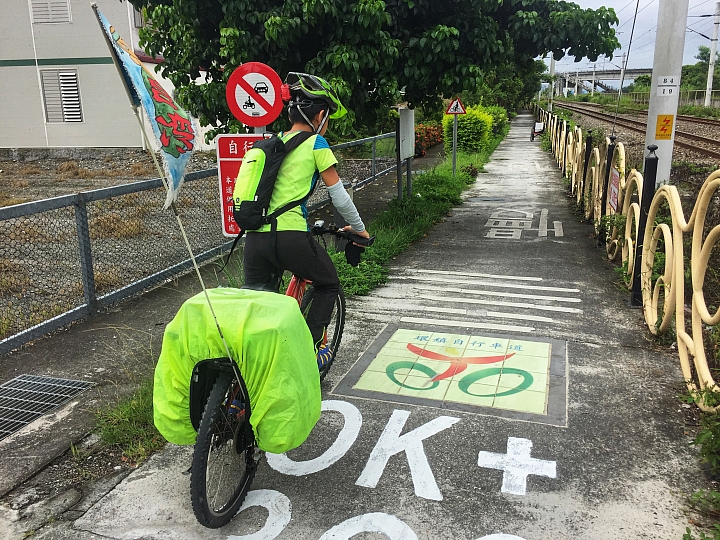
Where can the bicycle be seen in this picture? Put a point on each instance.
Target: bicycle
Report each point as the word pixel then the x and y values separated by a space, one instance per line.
pixel 226 456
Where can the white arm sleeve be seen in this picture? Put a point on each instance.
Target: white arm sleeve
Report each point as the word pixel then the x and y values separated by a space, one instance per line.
pixel 343 204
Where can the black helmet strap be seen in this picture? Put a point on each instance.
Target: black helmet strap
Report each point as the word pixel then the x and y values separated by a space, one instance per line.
pixel 299 105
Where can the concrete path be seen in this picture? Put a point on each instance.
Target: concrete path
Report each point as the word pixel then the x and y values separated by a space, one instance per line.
pixel 497 387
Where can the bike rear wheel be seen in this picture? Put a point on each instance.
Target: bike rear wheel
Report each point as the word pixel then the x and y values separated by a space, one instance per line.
pixel 335 327
pixel 221 474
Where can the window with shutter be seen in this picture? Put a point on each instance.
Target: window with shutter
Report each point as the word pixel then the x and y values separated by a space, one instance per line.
pixel 62 95
pixel 50 11
pixel 138 19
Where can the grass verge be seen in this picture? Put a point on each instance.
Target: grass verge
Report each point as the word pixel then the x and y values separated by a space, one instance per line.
pixel 129 426
pixel 404 222
pixel 706 502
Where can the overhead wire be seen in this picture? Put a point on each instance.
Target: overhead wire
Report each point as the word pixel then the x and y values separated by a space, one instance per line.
pixel 627 57
pixel 637 13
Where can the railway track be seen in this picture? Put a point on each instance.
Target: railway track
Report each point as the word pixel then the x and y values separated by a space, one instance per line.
pixel 702 145
pixel 684 117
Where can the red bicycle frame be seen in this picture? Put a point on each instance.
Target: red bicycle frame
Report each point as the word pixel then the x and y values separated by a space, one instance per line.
pixel 296 288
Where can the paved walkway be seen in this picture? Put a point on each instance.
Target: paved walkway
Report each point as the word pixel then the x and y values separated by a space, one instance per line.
pixel 497 387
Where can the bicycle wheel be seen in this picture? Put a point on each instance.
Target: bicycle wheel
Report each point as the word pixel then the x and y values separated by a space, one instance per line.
pixel 335 327
pixel 221 475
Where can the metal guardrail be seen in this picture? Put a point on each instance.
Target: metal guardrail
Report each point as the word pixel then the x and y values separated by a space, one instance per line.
pixel 65 258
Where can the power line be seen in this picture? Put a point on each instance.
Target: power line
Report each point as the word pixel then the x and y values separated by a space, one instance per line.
pixel 638 13
pixel 703 35
pixel 624 7
pixel 700 4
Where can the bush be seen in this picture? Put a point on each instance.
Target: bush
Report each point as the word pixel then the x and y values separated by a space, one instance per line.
pixel 474 130
pixel 427 136
pixel 698 110
pixel 500 118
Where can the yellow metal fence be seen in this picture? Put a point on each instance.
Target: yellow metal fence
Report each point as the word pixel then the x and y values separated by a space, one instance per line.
pixel 664 296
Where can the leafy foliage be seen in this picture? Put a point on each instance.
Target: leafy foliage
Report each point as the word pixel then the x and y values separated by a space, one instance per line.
pixel 474 130
pixel 129 426
pixel 694 77
pixel 368 49
pixel 427 136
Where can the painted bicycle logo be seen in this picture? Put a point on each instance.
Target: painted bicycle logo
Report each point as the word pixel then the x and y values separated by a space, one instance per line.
pixel 458 365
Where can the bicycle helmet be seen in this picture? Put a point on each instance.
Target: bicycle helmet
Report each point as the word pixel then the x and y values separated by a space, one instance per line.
pixel 302 89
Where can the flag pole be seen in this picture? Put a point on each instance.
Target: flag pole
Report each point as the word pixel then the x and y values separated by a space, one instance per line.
pixel 136 102
pixel 182 229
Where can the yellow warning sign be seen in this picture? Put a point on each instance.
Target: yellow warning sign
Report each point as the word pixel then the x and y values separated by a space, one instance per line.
pixel 663 129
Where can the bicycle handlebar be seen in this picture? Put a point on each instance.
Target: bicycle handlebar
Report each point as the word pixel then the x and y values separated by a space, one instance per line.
pixel 319 229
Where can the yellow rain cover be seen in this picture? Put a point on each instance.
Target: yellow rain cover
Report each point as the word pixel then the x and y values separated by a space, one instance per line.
pixel 271 343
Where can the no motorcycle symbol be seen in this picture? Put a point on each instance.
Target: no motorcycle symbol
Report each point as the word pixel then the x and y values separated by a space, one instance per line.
pixel 253 94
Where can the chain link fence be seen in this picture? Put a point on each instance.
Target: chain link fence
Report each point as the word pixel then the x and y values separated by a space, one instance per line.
pixel 64 258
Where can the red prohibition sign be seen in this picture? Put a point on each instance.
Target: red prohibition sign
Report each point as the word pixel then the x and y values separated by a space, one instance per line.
pixel 253 94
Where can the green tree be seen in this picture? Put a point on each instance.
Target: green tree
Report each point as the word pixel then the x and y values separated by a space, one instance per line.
pixel 368 49
pixel 509 86
pixel 694 76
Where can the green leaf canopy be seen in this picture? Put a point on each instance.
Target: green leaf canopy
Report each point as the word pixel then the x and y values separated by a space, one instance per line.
pixel 368 49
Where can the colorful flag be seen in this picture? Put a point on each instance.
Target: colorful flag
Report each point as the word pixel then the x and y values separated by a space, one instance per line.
pixel 173 127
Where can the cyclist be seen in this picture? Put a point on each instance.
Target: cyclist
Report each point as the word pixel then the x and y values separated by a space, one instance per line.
pixel 312 102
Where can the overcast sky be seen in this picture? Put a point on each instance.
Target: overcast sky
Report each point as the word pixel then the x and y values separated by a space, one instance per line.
pixel 643 44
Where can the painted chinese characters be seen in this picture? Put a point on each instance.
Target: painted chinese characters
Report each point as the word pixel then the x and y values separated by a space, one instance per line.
pixel 510 224
pixel 176 130
pixel 473 370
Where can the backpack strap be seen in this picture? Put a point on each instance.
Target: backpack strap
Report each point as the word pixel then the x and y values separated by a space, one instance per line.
pixel 232 248
pixel 297 140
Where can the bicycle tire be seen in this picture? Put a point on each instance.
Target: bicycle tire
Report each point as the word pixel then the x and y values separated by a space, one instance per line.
pixel 335 327
pixel 216 495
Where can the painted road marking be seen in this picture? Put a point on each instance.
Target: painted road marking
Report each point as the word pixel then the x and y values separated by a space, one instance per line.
pixel 498 303
pixel 510 224
pixel 454 311
pixel 518 316
pixel 467 324
pixel 388 525
pixel 279 514
pixel 475 313
pixel 473 274
pixel 279 511
pixel 488 284
pixel 439 367
pixel 391 443
pixel 496 293
pixel 345 439
pixel 517 465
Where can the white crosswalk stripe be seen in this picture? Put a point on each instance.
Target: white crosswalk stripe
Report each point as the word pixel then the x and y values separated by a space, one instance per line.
pixel 466 299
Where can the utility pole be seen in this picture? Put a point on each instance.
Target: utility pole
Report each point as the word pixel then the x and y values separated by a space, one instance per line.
pixel 577 75
pixel 665 88
pixel 552 82
pixel 592 89
pixel 622 74
pixel 711 66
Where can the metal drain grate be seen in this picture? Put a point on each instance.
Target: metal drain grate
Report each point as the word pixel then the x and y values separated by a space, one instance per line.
pixel 27 397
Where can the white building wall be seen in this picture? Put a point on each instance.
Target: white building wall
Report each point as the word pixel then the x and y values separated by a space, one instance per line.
pixel 27 48
pixel 22 117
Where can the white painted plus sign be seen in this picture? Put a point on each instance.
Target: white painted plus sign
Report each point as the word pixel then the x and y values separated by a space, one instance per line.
pixel 516 465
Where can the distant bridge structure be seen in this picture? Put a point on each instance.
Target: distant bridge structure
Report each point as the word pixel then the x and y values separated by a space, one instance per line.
pixel 585 79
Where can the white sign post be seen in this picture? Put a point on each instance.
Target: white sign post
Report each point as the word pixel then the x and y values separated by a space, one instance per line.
pixel 455 108
pixel 407 142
